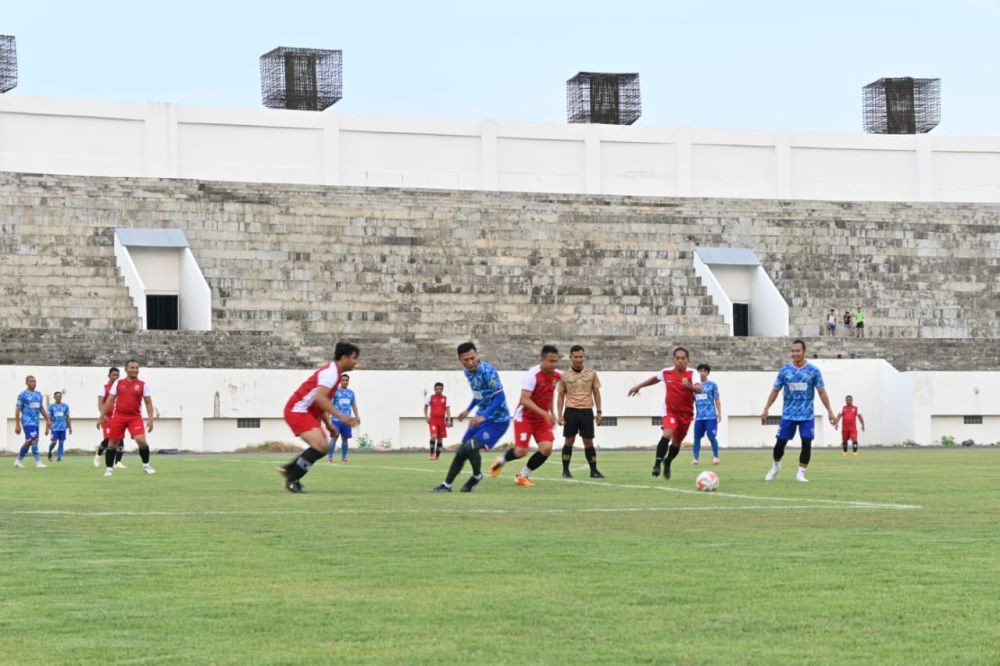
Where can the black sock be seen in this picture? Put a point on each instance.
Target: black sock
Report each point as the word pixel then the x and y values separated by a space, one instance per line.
pixel 661 450
pixel 671 454
pixel 51 447
pixel 591 454
pixel 440 443
pixel 102 447
pixel 475 457
pixel 118 454
pixel 143 454
pixel 432 447
pixel 844 445
pixel 109 457
pixel 855 443
pixel 510 455
pixel 298 467
pixel 567 456
pixel 806 453
pixel 536 460
pixel 456 465
pixel 779 449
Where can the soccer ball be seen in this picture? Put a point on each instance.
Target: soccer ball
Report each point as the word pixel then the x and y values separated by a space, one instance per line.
pixel 707 482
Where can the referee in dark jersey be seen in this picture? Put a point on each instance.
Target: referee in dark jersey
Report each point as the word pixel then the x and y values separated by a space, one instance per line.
pixel 579 393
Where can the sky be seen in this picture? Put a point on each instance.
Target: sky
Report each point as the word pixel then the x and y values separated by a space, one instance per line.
pixel 765 64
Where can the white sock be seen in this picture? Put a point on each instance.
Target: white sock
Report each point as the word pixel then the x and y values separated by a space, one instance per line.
pixel 802 471
pixel 524 472
pixel 776 466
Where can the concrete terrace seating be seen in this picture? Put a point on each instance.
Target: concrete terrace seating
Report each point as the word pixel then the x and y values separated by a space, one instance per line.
pixel 409 270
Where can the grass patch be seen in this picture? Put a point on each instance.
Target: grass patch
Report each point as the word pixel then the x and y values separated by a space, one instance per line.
pixel 210 561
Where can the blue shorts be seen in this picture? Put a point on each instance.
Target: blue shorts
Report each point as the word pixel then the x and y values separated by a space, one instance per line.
pixel 786 429
pixel 58 435
pixel 706 426
pixel 343 429
pixel 487 433
pixel 30 432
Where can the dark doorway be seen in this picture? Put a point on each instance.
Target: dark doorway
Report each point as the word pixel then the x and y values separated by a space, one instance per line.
pixel 161 312
pixel 741 319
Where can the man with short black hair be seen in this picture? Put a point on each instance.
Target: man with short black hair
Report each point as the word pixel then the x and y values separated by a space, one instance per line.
pixel 102 395
pixel 61 423
pixel 486 427
pixel 678 411
pixel 579 393
pixel 708 414
pixel 533 418
pixel 850 415
pixel 346 402
pixel 124 403
pixel 799 380
pixel 437 413
pixel 26 412
pixel 309 406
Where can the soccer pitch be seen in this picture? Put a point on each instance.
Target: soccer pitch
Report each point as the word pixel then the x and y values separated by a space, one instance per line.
pixel 889 558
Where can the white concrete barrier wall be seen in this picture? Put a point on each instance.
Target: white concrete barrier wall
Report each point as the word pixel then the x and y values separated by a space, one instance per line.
pixel 198 409
pixel 81 137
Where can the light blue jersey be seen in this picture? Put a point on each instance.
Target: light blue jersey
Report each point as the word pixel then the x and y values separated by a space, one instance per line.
pixel 343 400
pixel 58 411
pixel 30 404
pixel 487 393
pixel 799 385
pixel 704 402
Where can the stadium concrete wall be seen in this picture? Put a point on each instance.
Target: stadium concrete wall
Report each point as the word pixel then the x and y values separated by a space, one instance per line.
pixel 156 139
pixel 198 409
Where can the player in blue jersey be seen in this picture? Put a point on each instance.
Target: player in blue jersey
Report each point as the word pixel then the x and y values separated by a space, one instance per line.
pixel 345 401
pixel 62 423
pixel 487 426
pixel 799 380
pixel 26 415
pixel 708 414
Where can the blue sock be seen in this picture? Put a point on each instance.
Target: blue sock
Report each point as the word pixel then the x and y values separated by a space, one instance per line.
pixel 715 445
pixel 23 452
pixel 59 451
pixel 34 452
pixel 343 450
pixel 333 447
pixel 696 447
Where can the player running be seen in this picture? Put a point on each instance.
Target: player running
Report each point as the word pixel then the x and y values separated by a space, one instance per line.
pixel 102 395
pixel 850 415
pixel 534 417
pixel 61 422
pixel 309 406
pixel 437 413
pixel 124 404
pixel 486 427
pixel 345 402
pixel 708 415
pixel 681 388
pixel 799 380
pixel 26 412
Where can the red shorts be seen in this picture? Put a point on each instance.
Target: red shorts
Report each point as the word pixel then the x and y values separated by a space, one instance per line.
pixel 678 424
pixel 122 422
pixel 849 433
pixel 106 429
pixel 438 428
pixel 525 429
pixel 301 422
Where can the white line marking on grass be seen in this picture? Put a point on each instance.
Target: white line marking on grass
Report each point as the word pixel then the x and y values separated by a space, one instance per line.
pixel 366 512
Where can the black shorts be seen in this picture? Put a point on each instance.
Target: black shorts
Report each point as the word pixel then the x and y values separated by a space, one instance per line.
pixel 579 421
pixel 861 324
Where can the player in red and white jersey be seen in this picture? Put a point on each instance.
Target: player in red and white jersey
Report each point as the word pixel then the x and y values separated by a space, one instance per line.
pixel 850 415
pixel 681 385
pixel 308 408
pixel 124 403
pixel 534 417
pixel 437 412
pixel 102 395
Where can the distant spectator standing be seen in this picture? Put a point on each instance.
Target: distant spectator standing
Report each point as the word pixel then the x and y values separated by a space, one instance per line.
pixel 859 323
pixel 848 321
pixel 831 322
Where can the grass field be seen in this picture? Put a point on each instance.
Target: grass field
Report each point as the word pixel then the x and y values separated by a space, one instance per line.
pixel 890 558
